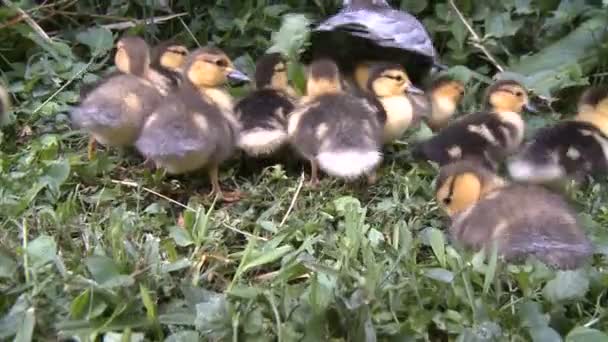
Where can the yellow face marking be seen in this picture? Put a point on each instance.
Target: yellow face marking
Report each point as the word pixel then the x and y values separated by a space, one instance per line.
pixel 322 86
pixel 121 59
pixel 391 83
pixel 362 75
pixel 459 192
pixel 280 80
pixel 509 98
pixel 174 57
pixel 209 70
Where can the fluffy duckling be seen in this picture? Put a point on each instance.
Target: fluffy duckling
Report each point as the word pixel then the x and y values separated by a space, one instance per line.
pixel 195 126
pixel 263 113
pixel 522 220
pixel 572 149
pixel 445 95
pixel 489 135
pixel 5 104
pixel 114 112
pixel 390 85
pixel 336 131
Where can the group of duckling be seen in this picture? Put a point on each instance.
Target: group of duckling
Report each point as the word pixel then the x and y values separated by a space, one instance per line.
pixel 172 106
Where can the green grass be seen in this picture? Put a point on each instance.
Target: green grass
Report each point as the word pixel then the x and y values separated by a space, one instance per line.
pixel 108 248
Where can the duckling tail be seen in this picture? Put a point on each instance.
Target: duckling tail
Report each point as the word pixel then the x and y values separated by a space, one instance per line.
pixel 349 163
pixel 528 167
pixel 257 142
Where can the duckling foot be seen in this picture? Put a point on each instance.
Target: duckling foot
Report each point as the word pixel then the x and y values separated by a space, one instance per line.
pixel 92 148
pixel 314 175
pixel 216 189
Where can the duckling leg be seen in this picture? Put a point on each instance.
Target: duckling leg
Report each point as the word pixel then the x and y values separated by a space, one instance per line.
pixel 372 178
pixel 314 174
pixel 92 148
pixel 216 189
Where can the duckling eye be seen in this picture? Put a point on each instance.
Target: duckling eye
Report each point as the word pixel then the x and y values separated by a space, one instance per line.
pixel 178 51
pixel 398 78
pixel 519 94
pixel 221 63
pixel 447 201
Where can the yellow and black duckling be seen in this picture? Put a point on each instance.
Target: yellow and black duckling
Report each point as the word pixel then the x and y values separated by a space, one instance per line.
pixel 195 127
pixel 523 220
pixel 114 112
pixel 5 105
pixel 445 94
pixel 263 113
pixel 572 149
pixel 489 135
pixel 335 131
pixel 390 86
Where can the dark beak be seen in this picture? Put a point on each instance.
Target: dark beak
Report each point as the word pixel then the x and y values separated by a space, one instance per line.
pixel 530 108
pixel 237 77
pixel 414 90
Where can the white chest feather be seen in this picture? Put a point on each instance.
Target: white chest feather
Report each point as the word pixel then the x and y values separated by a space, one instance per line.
pixel 515 120
pixel 224 101
pixel 399 115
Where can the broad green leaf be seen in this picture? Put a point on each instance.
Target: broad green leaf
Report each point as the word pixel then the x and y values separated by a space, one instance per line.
pixel 148 303
pixel 181 236
pixel 567 285
pixel 8 266
pixel 212 316
pixel 98 39
pixel 292 35
pixel 582 334
pixel 414 6
pixel 267 257
pixel 501 25
pixel 437 241
pixel 42 250
pixel 106 273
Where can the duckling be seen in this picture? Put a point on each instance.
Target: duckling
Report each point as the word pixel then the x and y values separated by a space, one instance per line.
pixel 372 30
pixel 390 85
pixel 263 113
pixel 489 135
pixel 572 149
pixel 5 105
pixel 522 219
pixel 195 126
pixel 335 131
pixel 445 95
pixel 166 62
pixel 114 112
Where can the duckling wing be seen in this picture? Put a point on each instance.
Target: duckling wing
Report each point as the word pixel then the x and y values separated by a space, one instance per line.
pixel 118 101
pixel 186 132
pixel 263 119
pixel 525 220
pixel 478 136
pixel 565 149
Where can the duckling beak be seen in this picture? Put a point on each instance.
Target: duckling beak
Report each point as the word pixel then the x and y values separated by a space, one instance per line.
pixel 238 76
pixel 414 90
pixel 530 108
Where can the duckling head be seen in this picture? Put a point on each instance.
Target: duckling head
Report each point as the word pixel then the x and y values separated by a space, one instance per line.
pixel 388 80
pixel 170 56
pixel 447 91
pixel 271 72
pixel 132 56
pixel 508 96
pixel 209 67
pixel 594 100
pixel 463 183
pixel 323 78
